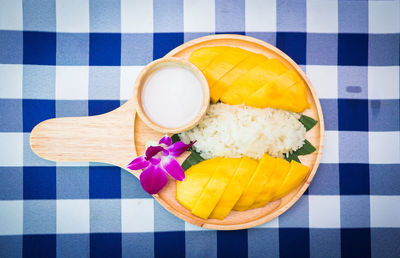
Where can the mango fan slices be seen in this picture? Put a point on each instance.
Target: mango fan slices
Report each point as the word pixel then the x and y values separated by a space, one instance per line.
pixel 214 187
pixel 237 76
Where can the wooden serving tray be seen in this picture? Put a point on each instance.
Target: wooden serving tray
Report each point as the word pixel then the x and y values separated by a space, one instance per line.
pixel 119 136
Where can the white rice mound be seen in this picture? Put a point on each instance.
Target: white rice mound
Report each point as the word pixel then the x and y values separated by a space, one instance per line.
pixel 236 131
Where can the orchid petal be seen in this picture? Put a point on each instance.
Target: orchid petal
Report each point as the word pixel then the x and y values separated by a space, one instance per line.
pixel 166 140
pixel 153 179
pixel 176 149
pixel 138 163
pixel 173 168
pixel 151 151
pixel 156 165
pixel 155 160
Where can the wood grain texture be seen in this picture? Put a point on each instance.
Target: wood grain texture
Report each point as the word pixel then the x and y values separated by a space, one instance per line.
pixel 105 138
pixel 115 137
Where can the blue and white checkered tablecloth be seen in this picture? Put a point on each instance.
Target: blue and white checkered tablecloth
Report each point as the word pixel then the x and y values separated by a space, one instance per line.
pixel 80 57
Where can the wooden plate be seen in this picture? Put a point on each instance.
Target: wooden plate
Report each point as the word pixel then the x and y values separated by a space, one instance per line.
pixel 117 136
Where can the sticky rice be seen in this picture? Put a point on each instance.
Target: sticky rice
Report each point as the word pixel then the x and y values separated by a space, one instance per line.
pixel 236 131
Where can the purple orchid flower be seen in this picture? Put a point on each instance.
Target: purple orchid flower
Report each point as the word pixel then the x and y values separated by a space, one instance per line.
pixel 157 161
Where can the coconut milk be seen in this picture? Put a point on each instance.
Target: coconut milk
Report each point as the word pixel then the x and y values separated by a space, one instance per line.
pixel 172 96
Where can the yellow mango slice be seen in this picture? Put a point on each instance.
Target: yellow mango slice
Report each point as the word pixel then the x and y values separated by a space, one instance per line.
pixel 215 187
pixel 250 82
pixel 202 57
pixel 222 85
pixel 293 98
pixel 235 188
pixel 288 92
pixel 295 175
pixel 237 76
pixel 261 175
pixel 298 93
pixel 270 96
pixel 273 184
pixel 224 63
pixel 196 178
pixel 285 80
pixel 272 93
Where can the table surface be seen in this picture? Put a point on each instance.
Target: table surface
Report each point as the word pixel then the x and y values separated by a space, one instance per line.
pixel 77 58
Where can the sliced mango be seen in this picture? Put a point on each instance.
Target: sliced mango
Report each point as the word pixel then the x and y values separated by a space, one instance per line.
pixel 273 184
pixel 261 175
pixel 235 188
pixel 196 178
pixel 215 188
pixel 293 98
pixel 295 175
pixel 224 63
pixel 220 87
pixel 237 76
pixel 202 57
pixel 298 94
pixel 286 92
pixel 250 82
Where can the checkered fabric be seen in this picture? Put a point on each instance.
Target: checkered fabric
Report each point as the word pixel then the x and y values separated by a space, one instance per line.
pixel 81 57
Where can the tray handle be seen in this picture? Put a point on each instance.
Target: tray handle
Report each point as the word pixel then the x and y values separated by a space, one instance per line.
pixel 105 138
